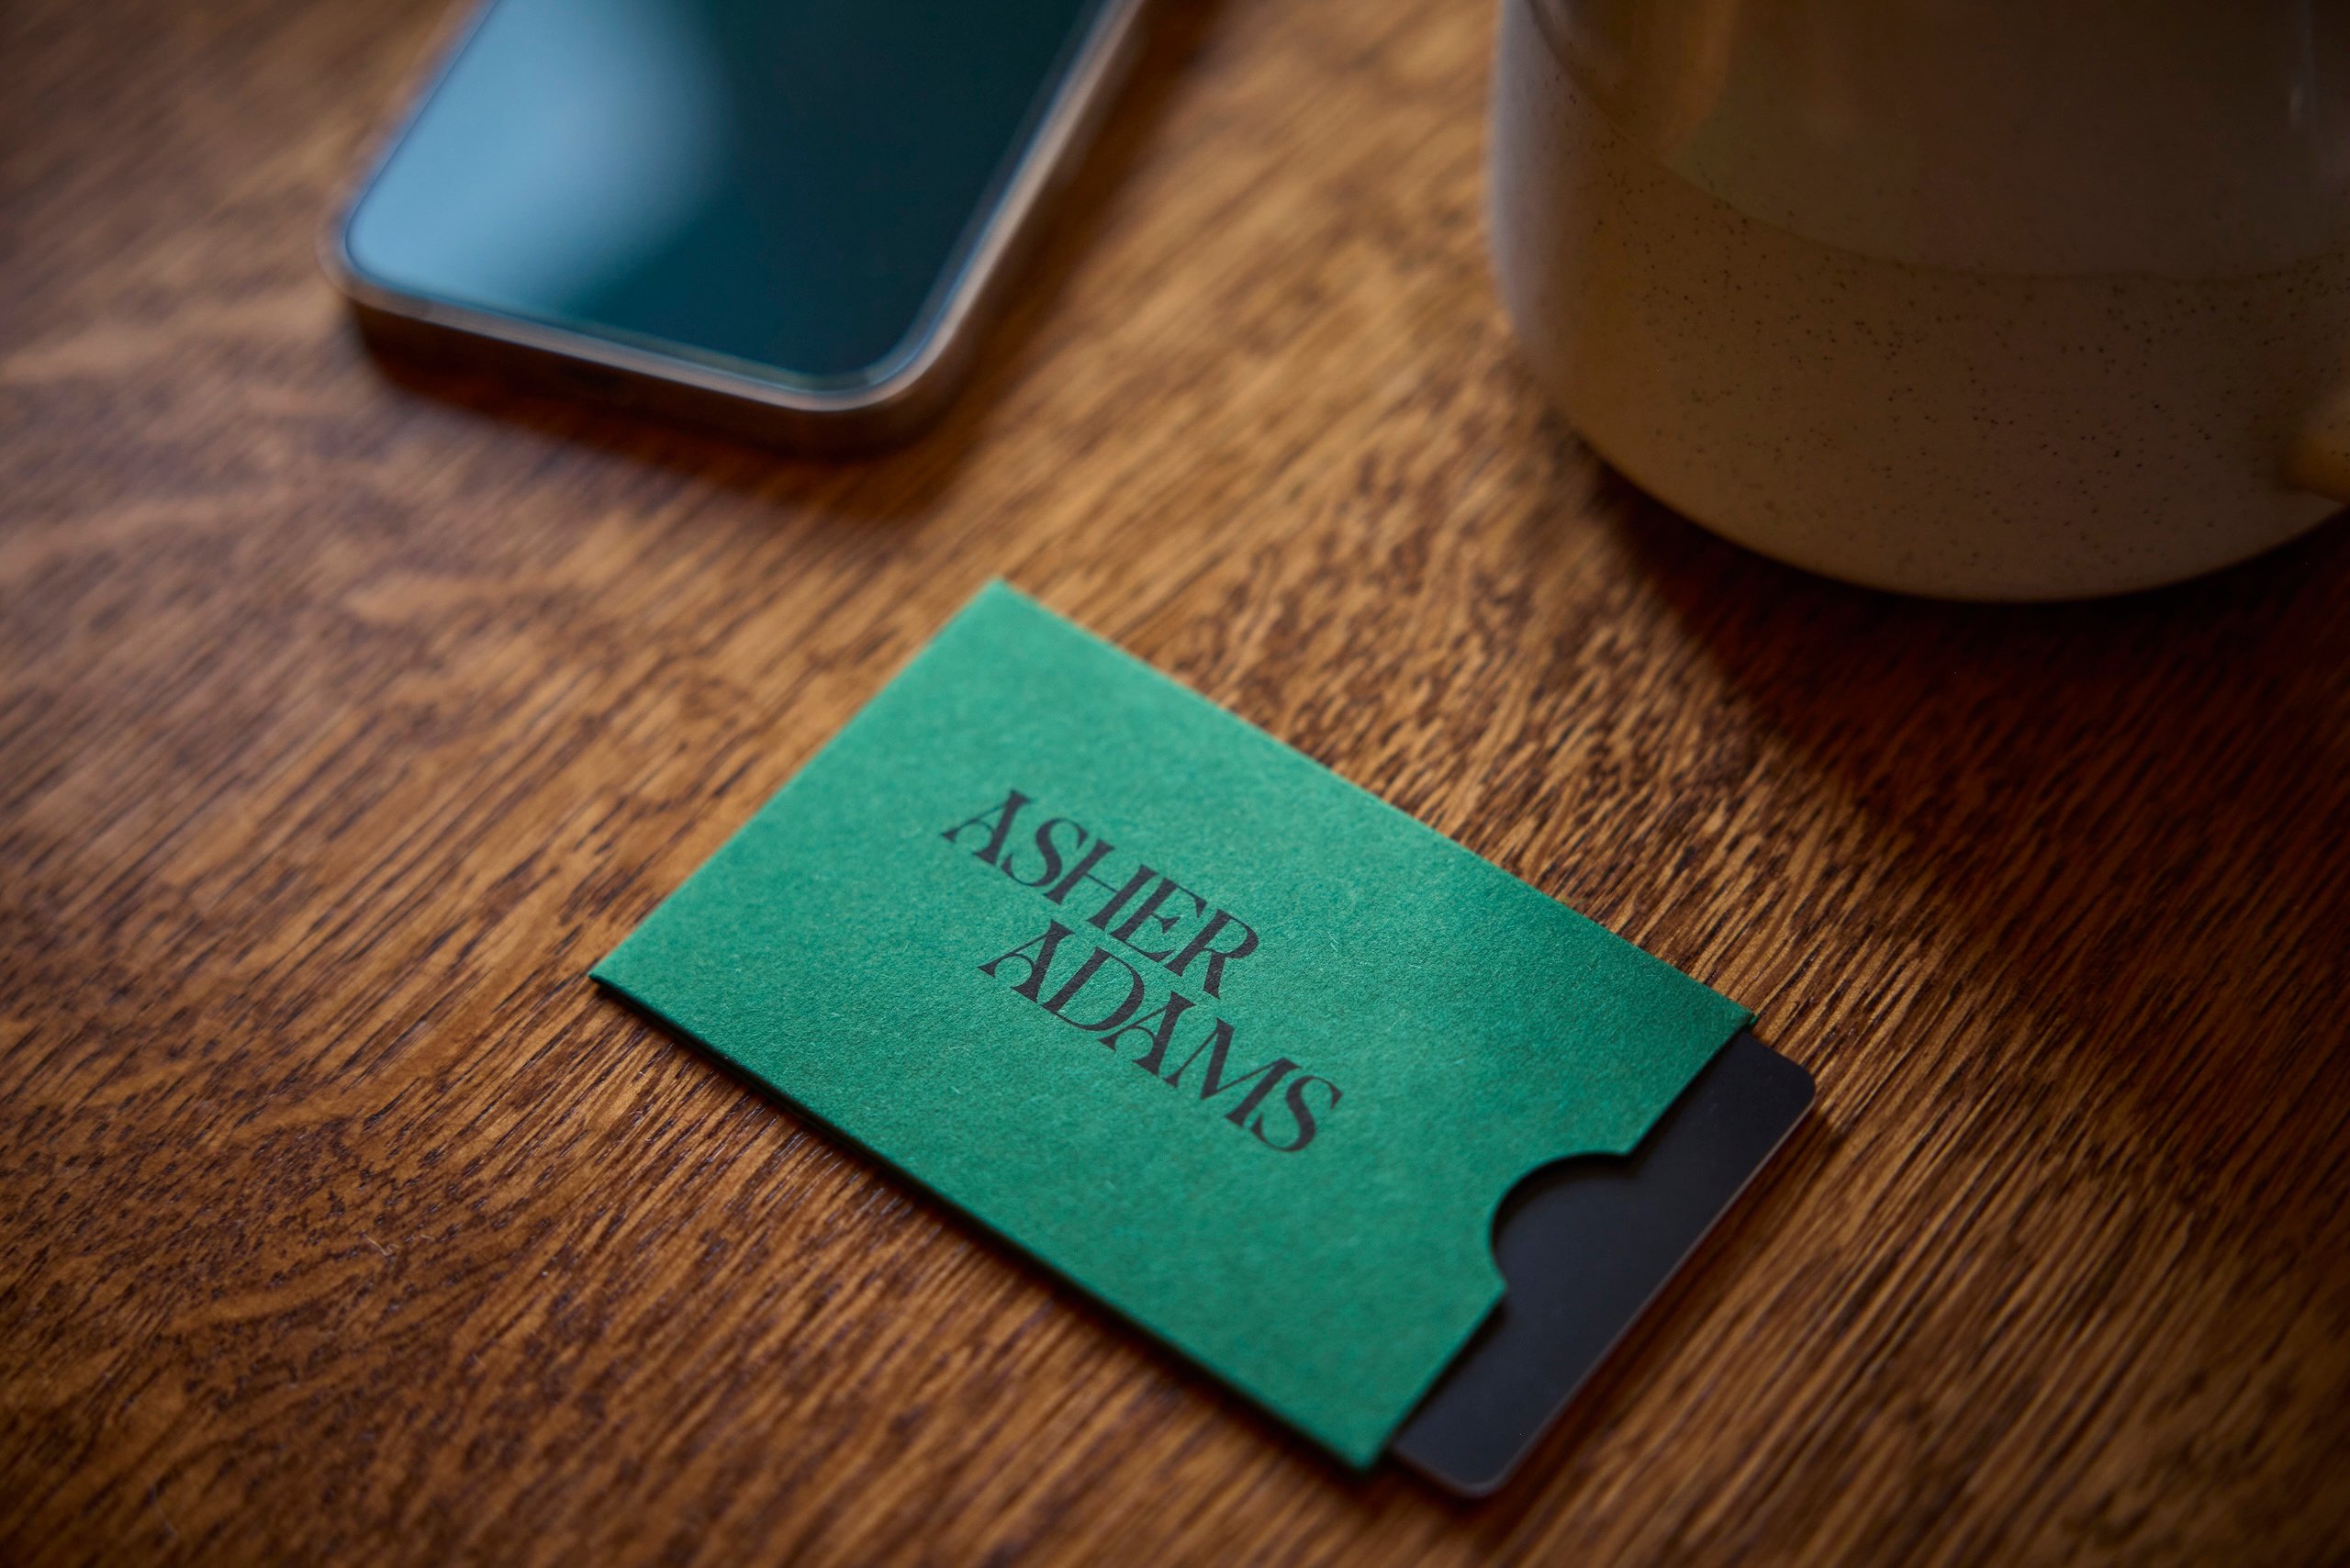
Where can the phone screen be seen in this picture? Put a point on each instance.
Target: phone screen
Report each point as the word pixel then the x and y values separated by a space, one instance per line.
pixel 781 185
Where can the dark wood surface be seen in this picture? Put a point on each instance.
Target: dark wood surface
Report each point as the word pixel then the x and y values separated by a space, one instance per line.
pixel 345 719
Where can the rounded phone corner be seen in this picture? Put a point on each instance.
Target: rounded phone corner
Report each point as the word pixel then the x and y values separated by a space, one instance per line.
pixel 885 403
pixel 901 397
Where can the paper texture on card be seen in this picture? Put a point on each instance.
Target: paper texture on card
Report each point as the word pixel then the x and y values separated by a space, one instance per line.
pixel 1248 1055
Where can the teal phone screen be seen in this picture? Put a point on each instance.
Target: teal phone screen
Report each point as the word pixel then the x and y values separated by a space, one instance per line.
pixel 783 185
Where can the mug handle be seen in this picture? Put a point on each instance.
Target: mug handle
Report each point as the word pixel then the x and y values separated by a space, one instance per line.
pixel 2319 459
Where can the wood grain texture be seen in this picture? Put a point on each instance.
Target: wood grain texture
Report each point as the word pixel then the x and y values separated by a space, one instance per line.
pixel 345 719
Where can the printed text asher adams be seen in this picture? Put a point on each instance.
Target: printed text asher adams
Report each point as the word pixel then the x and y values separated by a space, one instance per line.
pixel 1103 994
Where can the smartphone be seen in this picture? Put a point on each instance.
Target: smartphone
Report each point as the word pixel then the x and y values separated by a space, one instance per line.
pixel 788 218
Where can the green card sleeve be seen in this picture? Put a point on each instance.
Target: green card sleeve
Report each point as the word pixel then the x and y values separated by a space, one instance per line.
pixel 1243 1051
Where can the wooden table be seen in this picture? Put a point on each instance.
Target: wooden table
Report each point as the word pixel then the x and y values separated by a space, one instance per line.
pixel 344 720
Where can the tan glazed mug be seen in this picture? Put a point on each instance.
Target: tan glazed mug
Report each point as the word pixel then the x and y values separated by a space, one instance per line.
pixel 1998 299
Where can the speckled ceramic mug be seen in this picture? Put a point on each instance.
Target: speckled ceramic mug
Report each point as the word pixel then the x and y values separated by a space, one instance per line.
pixel 2003 302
